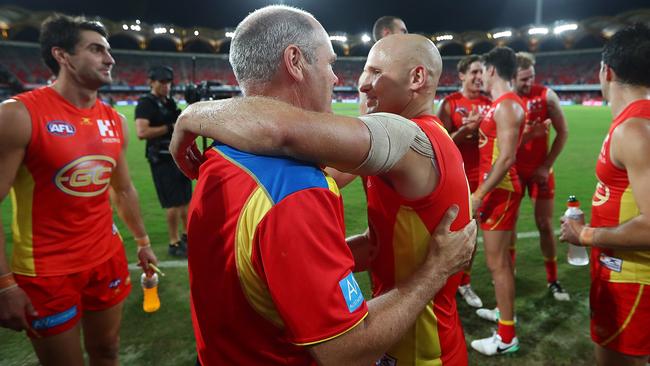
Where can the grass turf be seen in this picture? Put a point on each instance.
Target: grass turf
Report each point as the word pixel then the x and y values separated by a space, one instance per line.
pixel 551 333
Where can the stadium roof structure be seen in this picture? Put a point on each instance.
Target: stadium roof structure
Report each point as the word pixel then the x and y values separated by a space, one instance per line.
pixel 17 23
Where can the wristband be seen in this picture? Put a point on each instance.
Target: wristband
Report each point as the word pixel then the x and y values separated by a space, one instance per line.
pixel 143 242
pixel 586 237
pixel 7 280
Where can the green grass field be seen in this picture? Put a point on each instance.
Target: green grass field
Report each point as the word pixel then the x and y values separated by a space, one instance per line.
pixel 550 333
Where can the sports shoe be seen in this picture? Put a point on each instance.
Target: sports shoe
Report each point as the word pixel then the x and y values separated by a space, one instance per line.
pixel 471 298
pixel 177 250
pixel 490 314
pixel 558 292
pixel 493 345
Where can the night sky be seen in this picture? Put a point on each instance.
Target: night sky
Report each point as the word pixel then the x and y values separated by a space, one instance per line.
pixel 344 15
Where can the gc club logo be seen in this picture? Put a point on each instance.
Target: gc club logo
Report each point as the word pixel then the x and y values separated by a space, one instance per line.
pixel 61 128
pixel 87 176
pixel 601 195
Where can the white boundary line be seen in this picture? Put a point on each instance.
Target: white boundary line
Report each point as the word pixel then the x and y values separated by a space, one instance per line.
pixel 183 264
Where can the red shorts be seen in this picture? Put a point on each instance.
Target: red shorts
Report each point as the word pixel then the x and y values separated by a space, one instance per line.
pixel 536 190
pixel 61 300
pixel 499 210
pixel 620 315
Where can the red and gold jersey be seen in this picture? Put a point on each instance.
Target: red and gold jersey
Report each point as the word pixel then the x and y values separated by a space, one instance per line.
pixel 613 204
pixel 489 146
pixel 270 271
pixel 401 230
pixel 63 221
pixel 459 108
pixel 532 154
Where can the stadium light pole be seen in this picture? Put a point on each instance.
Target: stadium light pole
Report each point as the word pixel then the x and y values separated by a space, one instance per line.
pixel 538 12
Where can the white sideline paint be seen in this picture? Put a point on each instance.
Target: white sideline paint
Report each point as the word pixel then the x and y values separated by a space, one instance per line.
pixel 183 264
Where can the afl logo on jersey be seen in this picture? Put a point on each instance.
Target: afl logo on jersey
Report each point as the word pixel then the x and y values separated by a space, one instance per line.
pixel 87 176
pixel 61 128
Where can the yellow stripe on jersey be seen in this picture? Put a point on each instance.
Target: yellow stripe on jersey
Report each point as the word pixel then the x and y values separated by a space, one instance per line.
pixel 628 209
pixel 256 291
pixel 22 192
pixel 410 242
pixel 420 345
pixel 506 182
pixel 331 184
pixel 636 264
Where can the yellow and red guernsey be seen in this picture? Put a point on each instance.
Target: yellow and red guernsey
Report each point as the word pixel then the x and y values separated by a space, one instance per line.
pixel 613 204
pixel 489 146
pixel 460 107
pixel 532 154
pixel 400 230
pixel 270 271
pixel 62 218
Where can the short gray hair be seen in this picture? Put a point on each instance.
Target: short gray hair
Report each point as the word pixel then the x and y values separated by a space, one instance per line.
pixel 261 38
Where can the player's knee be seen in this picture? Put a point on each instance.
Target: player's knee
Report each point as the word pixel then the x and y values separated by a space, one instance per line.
pixel 544 225
pixel 107 350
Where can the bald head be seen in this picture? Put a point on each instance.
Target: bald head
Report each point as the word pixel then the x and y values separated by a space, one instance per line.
pixel 401 75
pixel 407 51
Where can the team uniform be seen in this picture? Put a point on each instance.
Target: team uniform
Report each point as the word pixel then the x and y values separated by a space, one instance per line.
pixel 67 253
pixel 401 230
pixel 532 154
pixel 500 206
pixel 620 289
pixel 270 271
pixel 459 107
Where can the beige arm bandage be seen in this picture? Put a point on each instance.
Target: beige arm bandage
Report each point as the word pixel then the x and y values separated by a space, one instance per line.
pixel 391 136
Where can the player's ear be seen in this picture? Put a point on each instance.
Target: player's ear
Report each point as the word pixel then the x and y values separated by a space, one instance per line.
pixel 293 60
pixel 419 77
pixel 610 74
pixel 59 55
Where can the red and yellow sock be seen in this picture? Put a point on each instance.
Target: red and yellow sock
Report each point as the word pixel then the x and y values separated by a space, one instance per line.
pixel 551 269
pixel 506 330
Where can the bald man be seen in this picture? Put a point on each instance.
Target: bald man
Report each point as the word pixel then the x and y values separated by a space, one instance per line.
pixel 405 201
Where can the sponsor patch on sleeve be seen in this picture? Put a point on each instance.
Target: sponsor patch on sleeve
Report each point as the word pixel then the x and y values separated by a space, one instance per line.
pixel 351 292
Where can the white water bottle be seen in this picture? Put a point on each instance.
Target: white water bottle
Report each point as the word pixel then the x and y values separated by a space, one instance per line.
pixel 576 255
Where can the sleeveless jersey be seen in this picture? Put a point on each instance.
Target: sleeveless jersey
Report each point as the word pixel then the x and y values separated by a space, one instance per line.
pixel 401 230
pixel 613 204
pixel 489 147
pixel 460 107
pixel 63 222
pixel 532 154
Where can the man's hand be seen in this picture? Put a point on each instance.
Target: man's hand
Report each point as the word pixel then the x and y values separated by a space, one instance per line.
pixel 185 152
pixel 570 231
pixel 146 256
pixel 451 251
pixel 540 175
pixel 476 200
pixel 14 304
pixel 471 123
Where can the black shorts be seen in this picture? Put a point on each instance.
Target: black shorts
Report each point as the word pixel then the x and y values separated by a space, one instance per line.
pixel 173 188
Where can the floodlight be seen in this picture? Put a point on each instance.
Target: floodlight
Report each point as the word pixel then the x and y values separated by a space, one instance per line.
pixel 196 33
pixel 342 39
pixel 125 27
pixel 365 38
pixel 230 34
pixel 565 27
pixel 538 30
pixel 502 34
pixel 171 30
pixel 444 37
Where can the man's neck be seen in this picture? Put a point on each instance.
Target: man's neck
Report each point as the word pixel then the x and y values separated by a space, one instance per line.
pixel 470 94
pixel 622 95
pixel 499 88
pixel 78 95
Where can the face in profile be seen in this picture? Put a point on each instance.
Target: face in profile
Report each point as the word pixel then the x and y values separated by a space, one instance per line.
pixel 92 62
pixel 319 76
pixel 384 81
